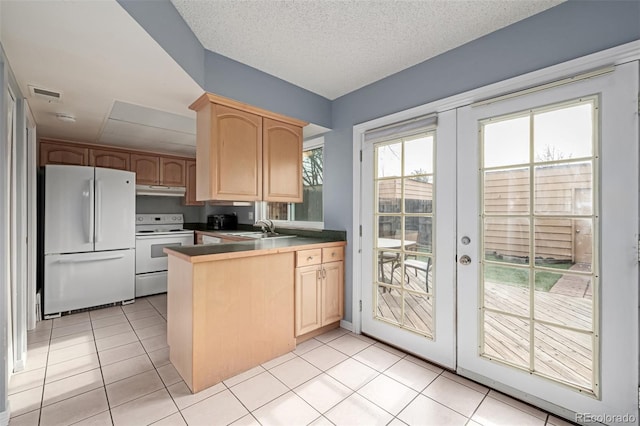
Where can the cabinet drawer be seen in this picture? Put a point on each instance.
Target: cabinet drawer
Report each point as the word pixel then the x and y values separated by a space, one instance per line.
pixel 308 257
pixel 331 254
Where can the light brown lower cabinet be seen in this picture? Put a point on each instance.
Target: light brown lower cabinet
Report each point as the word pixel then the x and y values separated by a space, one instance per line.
pixel 228 316
pixel 319 290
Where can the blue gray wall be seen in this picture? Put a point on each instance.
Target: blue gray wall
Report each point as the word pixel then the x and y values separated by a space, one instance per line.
pixel 570 30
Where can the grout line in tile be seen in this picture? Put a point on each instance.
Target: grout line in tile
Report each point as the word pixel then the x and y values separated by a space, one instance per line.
pixel 481 402
pixel 450 408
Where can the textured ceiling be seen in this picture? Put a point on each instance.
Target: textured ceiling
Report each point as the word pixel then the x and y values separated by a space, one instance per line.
pixel 333 47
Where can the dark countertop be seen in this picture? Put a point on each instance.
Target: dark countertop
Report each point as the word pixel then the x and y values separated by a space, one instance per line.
pixel 309 233
pixel 257 247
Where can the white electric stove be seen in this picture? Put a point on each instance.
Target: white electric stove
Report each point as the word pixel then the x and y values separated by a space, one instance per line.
pixel 154 232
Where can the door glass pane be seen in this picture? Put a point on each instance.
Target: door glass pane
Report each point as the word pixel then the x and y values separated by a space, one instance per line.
pixel 563 133
pixel 418 272
pixel 418 312
pixel 541 239
pixel 389 304
pixel 418 234
pixel 506 339
pixel 564 243
pixel 565 299
pixel 418 194
pixel 389 267
pixel 418 156
pixel 506 191
pixel 564 188
pixel 389 195
pixel 564 355
pixel 506 289
pixel 389 160
pixel 404 252
pixel 506 142
pixel 506 240
pixel 389 227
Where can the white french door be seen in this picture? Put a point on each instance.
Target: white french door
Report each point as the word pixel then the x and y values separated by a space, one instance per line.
pixel 503 243
pixel 548 272
pixel 408 215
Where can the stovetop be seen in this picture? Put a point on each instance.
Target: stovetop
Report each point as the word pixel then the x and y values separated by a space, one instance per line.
pixel 160 224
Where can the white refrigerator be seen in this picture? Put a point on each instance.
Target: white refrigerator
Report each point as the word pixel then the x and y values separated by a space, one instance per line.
pixel 89 237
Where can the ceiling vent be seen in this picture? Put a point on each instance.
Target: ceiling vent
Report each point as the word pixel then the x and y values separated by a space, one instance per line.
pixel 46 94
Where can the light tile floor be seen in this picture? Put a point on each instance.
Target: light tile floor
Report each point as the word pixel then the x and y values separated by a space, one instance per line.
pixel 111 366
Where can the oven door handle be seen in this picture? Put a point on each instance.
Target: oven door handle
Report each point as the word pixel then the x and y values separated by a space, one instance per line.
pixel 167 238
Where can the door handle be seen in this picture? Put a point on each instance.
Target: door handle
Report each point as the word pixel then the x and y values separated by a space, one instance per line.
pixel 98 210
pixel 465 260
pixel 92 197
pixel 91 259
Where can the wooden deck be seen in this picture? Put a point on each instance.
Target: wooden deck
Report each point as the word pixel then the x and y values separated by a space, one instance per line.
pixel 561 354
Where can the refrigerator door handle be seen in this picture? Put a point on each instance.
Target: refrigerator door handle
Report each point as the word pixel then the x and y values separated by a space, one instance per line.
pixel 91 259
pixel 92 197
pixel 98 210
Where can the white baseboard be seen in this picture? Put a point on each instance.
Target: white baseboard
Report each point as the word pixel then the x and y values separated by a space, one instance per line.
pixel 346 325
pixel 5 415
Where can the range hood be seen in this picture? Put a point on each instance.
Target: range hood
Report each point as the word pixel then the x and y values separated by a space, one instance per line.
pixel 161 190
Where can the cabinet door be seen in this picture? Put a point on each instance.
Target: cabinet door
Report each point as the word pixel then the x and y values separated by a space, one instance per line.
pixel 147 169
pixel 332 292
pixel 190 195
pixel 109 159
pixel 282 161
pixel 307 297
pixel 52 153
pixel 237 155
pixel 172 172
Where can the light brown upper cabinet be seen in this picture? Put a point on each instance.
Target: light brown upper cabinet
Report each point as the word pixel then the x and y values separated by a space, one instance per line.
pixel 190 195
pixel 231 152
pixel 172 172
pixel 54 153
pixel 282 159
pixel 147 169
pixel 109 159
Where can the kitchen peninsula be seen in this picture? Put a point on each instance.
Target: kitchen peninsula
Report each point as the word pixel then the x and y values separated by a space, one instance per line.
pixel 234 306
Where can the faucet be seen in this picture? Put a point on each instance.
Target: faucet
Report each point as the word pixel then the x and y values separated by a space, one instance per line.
pixel 266 225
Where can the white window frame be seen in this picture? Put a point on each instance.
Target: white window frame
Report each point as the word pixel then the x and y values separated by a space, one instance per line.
pixel 260 209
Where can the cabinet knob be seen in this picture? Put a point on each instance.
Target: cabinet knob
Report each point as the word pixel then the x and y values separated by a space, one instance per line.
pixel 310 258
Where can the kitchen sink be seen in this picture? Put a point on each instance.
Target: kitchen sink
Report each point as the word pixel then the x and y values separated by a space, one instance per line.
pixel 260 235
pixel 269 235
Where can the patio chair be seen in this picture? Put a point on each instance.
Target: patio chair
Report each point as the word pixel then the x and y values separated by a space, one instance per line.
pixel 418 265
pixel 388 257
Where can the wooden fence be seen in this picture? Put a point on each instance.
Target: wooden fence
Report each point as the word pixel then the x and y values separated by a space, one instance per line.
pixel 559 192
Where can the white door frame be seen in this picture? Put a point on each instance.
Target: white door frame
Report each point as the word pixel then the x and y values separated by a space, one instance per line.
pixel 617 55
pixel 32 215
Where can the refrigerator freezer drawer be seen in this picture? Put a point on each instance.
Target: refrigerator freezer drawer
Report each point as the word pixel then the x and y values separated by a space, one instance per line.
pixel 83 280
pixel 153 283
